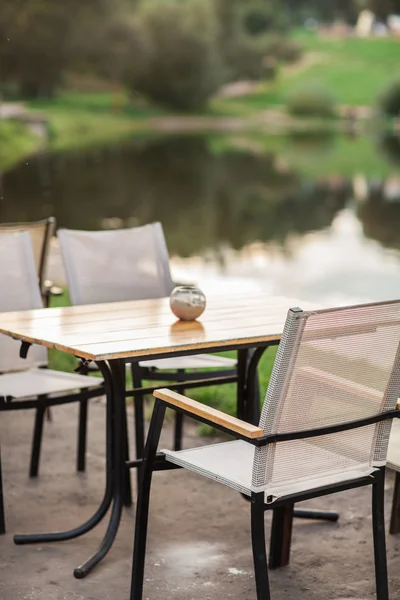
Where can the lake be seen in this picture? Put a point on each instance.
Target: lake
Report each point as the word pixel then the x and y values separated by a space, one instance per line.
pixel 316 217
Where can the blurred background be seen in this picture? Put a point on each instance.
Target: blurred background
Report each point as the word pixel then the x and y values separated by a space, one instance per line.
pixel 263 134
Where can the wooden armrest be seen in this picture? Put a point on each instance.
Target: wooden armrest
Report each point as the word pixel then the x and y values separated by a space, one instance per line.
pixel 210 414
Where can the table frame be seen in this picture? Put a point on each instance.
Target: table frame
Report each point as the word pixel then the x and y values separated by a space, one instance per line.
pixel 117 487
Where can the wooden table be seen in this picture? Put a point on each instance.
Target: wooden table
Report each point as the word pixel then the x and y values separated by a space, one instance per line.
pixel 111 334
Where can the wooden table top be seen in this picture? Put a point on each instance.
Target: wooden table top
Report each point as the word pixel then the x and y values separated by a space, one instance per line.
pixel 147 328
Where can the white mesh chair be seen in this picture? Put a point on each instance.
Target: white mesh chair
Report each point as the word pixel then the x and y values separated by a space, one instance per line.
pixel 324 428
pixel 26 383
pixel 132 264
pixel 40 233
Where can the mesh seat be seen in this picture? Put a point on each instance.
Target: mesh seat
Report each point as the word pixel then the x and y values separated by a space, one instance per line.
pixel 29 380
pixel 38 382
pixel 231 463
pixel 198 361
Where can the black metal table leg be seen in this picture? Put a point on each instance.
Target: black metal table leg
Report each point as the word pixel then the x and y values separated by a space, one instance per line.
pixel 319 515
pixel 138 402
pixel 119 476
pixel 127 487
pixel 248 395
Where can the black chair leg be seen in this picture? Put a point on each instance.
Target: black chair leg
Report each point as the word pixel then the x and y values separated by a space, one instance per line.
pixel 82 436
pixel 143 501
pixel 281 536
pixel 258 544
pixel 139 413
pixel 139 429
pixel 178 429
pixel 395 515
pixel 127 492
pixel 37 441
pixel 2 518
pixel 378 524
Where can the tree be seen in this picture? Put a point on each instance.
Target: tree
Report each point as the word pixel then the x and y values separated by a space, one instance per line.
pixel 246 30
pixel 176 62
pixel 40 39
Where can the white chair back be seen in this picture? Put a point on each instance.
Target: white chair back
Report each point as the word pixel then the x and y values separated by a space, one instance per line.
pixel 19 290
pixel 116 265
pixel 332 366
pixel 40 233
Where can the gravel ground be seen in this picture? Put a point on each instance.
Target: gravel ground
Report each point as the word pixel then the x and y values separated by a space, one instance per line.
pixel 199 534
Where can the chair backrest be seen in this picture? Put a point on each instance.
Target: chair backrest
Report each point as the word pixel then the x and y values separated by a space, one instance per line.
pixel 116 265
pixel 19 290
pixel 41 233
pixel 332 366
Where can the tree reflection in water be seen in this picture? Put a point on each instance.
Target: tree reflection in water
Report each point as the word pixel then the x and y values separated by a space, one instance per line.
pixel 203 198
pixel 380 212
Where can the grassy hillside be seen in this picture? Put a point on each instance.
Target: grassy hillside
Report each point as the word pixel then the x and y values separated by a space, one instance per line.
pixel 354 69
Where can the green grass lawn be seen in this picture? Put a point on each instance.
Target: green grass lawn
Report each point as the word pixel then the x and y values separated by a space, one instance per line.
pixel 221 397
pixel 15 142
pixel 355 70
pixel 79 120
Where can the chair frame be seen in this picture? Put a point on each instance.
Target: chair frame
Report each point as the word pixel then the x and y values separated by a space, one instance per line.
pixel 42 403
pixel 46 288
pixel 283 509
pixel 142 373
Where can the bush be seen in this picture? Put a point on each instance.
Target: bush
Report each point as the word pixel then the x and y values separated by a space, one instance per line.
pixel 249 59
pixel 245 36
pixel 311 101
pixel 283 49
pixel 389 101
pixel 176 63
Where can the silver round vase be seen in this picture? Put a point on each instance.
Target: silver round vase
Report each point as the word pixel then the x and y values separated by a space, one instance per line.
pixel 187 302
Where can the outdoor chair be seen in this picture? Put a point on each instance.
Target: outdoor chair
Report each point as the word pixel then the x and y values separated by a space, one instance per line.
pixel 132 264
pixel 40 233
pixel 324 428
pixel 27 383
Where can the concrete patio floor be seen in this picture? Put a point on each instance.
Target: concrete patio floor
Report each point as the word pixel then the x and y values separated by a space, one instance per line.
pixel 199 536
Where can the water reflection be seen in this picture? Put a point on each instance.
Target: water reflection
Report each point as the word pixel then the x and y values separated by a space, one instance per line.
pixel 204 199
pixel 234 215
pixel 380 213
